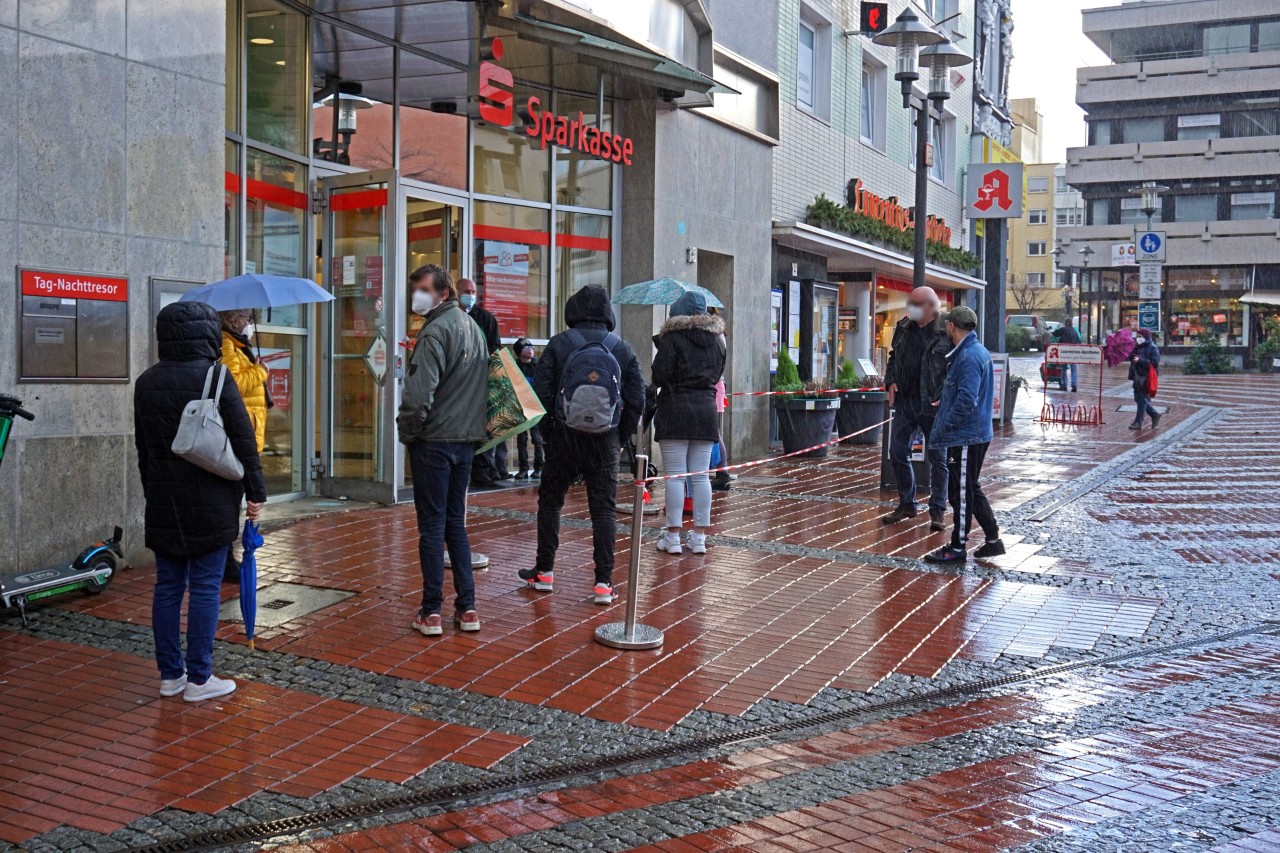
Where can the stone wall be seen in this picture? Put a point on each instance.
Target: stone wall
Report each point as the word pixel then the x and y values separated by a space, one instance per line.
pixel 116 133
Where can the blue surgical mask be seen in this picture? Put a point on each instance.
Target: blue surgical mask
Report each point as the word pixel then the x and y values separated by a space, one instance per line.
pixel 468 300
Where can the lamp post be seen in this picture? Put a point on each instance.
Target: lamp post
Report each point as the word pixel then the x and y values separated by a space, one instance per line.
pixel 1085 254
pixel 907 35
pixel 1150 193
pixel 1067 285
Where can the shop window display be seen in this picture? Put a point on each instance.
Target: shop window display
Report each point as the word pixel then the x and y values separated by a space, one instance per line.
pixel 512 244
pixel 1190 318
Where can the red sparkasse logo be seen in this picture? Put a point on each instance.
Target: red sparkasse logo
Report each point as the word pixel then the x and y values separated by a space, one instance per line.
pixel 497 106
pixel 994 191
pixel 68 285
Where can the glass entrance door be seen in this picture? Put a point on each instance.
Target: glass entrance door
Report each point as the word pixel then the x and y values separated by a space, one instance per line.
pixel 363 326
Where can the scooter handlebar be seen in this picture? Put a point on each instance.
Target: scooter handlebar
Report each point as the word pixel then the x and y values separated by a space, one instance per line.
pixel 13 406
pixel 24 414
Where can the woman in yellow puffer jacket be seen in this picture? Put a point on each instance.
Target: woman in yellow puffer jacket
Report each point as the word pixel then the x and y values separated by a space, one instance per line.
pixel 250 376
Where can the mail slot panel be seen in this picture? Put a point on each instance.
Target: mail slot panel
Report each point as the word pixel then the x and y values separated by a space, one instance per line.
pixel 48 347
pixel 101 328
pixel 48 306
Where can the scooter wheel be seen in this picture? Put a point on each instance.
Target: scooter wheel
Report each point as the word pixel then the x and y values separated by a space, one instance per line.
pixel 98 565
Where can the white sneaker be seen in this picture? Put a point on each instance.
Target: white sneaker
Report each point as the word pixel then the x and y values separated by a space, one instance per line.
pixel 173 686
pixel 211 689
pixel 669 542
pixel 698 543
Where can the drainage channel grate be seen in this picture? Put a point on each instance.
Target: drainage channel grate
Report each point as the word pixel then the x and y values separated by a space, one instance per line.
pixel 452 797
pixel 277 604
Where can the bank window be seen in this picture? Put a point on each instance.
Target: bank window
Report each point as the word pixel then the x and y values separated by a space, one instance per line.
pixel 1037 217
pixel 275 46
pixel 1035 279
pixel 583 255
pixel 1036 248
pixel 1195 208
pixel 583 180
pixel 433 143
pixel 231 213
pixel 276 206
pixel 1226 38
pixel 352 112
pixel 1039 184
pixel 1144 130
pixel 233 67
pixel 1253 205
pixel 512 244
pixel 510 162
pixel 1207 126
pixel 874 89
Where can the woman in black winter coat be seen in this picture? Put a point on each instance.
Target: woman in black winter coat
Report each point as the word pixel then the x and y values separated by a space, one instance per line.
pixel 192 516
pixel 689 363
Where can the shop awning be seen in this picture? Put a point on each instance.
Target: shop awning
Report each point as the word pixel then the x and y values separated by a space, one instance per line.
pixel 845 254
pixel 646 66
pixel 1264 297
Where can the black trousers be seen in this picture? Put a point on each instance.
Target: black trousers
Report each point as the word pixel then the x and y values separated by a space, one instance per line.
pixel 522 448
pixel 964 467
pixel 595 459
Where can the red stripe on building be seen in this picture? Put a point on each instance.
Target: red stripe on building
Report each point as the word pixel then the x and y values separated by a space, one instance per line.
pixel 426 232
pixel 577 241
pixel 511 235
pixel 232 182
pixel 359 200
pixel 272 194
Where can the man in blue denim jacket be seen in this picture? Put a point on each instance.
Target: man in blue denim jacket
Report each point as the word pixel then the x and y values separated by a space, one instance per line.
pixel 963 427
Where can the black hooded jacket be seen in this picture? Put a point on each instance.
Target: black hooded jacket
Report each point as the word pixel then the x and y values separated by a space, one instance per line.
pixel 590 313
pixel 689 363
pixel 190 512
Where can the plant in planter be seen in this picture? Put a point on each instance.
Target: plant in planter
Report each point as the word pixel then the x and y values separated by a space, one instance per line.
pixel 1267 351
pixel 806 414
pixel 860 409
pixel 1207 356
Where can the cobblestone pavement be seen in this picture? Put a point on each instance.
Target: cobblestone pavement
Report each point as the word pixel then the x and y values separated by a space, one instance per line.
pixel 1113 682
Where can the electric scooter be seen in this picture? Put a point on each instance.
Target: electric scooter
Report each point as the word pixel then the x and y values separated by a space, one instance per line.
pixel 91 571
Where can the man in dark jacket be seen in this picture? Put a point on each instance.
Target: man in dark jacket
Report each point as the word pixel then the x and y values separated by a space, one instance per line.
pixel 572 454
pixel 1145 358
pixel 528 364
pixel 442 419
pixel 917 368
pixel 964 428
pixel 1068 334
pixel 490 466
pixel 192 516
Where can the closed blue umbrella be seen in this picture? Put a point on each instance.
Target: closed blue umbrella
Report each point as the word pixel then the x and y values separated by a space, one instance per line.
pixel 251 539
pixel 662 291
pixel 255 290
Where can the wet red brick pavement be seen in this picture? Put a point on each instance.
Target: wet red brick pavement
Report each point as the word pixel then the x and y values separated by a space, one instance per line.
pixel 806 596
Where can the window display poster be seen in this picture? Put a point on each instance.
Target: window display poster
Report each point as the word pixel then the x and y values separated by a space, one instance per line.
pixel 775 329
pixel 999 369
pixel 793 320
pixel 281 241
pixel 278 363
pixel 506 286
pixel 373 277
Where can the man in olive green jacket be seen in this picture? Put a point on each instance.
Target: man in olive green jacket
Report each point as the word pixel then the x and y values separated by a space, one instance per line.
pixel 442 420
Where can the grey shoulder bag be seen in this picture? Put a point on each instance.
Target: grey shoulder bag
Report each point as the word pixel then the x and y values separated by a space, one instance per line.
pixel 202 439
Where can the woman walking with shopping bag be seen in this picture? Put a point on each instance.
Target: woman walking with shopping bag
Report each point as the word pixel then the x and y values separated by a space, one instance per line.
pixel 689 363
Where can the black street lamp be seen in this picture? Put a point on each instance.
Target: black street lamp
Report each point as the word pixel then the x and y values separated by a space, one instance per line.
pixel 1085 254
pixel 907 35
pixel 1068 285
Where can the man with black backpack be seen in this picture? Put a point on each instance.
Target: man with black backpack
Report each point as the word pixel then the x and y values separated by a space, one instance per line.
pixel 590 383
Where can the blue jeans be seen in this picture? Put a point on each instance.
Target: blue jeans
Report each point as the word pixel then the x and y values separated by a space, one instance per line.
pixel 1144 405
pixel 441 473
pixel 174 575
pixel 1071 375
pixel 906 422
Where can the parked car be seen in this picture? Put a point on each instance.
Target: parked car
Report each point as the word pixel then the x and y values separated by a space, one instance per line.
pixel 1052 326
pixel 1035 326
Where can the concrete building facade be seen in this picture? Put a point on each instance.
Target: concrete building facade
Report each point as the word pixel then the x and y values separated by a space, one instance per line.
pixel 1191 101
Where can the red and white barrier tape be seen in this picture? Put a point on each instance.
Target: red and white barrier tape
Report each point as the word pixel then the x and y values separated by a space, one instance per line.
pixel 742 465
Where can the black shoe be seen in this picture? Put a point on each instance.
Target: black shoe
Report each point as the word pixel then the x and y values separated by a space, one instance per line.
pixel 937 520
pixel 990 548
pixel 1135 425
pixel 947 556
pixel 1155 421
pixel 522 475
pixel 503 476
pixel 721 483
pixel 1075 390
pixel 902 513
pixel 536 475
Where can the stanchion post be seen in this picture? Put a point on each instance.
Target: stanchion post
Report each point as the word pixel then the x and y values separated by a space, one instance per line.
pixel 628 635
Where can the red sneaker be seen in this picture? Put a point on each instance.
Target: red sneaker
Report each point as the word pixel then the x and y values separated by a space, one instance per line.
pixel 428 626
pixel 467 621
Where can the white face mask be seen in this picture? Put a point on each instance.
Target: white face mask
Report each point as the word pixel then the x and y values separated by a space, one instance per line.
pixel 915 312
pixel 423 301
pixel 248 330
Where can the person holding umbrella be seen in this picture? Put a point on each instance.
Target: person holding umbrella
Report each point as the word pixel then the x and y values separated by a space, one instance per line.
pixel 1142 362
pixel 251 378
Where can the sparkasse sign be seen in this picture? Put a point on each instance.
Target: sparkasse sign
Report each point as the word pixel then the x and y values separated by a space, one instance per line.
pixel 496 97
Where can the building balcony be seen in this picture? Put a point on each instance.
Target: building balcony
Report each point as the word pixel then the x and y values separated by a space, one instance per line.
pixel 1178 79
pixel 1193 159
pixel 1229 243
pixel 1125 31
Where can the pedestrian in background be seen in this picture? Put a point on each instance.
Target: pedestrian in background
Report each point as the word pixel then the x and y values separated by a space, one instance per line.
pixel 192 516
pixel 723 480
pixel 251 379
pixel 964 428
pixel 1068 334
pixel 528 365
pixel 688 365
pixel 572 453
pixel 1145 360
pixel 442 419
pixel 491 466
pixel 914 376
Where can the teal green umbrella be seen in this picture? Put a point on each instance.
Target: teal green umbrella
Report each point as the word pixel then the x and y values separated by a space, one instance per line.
pixel 662 291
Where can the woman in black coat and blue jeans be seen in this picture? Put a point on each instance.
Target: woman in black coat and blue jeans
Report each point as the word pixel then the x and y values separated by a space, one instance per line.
pixel 689 363
pixel 192 516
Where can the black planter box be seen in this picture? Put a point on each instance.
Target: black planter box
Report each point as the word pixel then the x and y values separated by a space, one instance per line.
pixel 859 410
pixel 806 422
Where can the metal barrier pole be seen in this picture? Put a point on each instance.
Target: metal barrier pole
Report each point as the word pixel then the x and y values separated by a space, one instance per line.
pixel 628 635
